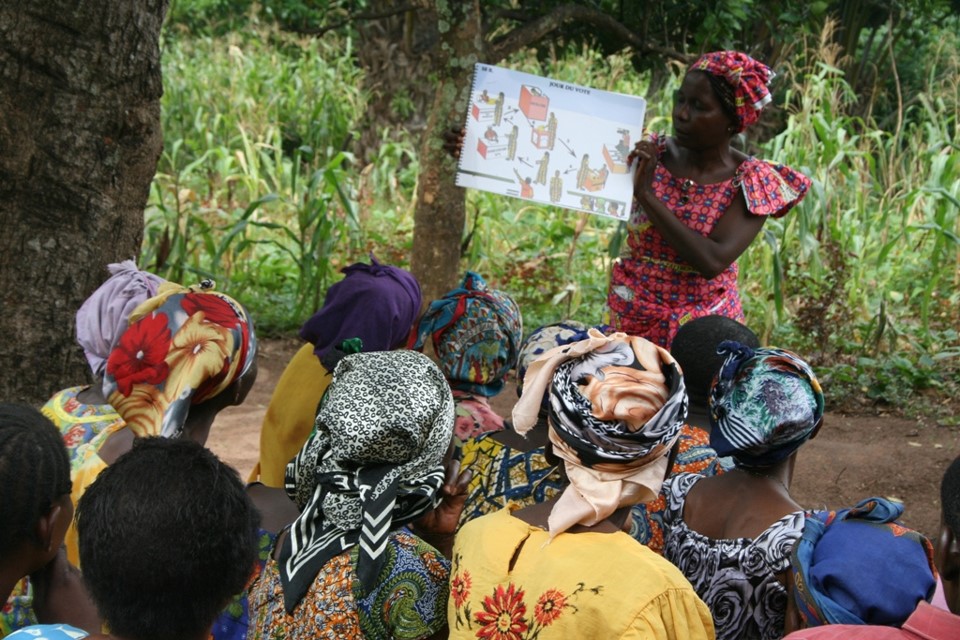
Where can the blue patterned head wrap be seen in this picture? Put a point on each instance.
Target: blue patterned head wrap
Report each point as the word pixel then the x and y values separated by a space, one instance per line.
pixel 476 335
pixel 764 404
pixel 542 340
pixel 861 566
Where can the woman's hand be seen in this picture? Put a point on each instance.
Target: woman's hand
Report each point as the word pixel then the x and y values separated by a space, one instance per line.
pixel 645 152
pixel 439 525
pixel 453 141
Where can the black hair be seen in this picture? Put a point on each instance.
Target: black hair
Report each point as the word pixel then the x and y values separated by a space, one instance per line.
pixel 167 536
pixel 725 94
pixel 694 348
pixel 34 473
pixel 950 497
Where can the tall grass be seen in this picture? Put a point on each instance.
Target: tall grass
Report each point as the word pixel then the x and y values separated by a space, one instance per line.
pixel 257 186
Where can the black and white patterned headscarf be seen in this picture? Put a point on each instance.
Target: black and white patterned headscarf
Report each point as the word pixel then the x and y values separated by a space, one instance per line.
pixel 374 462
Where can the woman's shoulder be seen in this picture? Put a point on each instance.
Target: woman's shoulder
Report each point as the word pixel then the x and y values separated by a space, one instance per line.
pixel 771 189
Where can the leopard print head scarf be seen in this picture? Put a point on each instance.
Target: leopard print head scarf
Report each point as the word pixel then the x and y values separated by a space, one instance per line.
pixel 373 462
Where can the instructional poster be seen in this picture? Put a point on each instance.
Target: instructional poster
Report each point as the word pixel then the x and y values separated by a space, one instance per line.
pixel 550 142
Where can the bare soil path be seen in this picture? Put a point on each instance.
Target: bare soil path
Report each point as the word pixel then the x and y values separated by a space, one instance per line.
pixel 853 457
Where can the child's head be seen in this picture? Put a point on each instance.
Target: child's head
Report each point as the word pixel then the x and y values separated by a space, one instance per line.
pixel 948 545
pixel 859 566
pixel 695 349
pixel 375 302
pixel 476 334
pixel 764 404
pixel 167 536
pixel 35 508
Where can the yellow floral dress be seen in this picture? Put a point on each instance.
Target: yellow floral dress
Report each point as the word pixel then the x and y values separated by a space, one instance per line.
pixel 511 582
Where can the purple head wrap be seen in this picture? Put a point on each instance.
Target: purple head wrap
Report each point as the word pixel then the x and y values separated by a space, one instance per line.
pixel 102 318
pixel 375 302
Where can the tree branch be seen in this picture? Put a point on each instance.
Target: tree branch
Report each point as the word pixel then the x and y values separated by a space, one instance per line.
pixel 529 33
pixel 319 31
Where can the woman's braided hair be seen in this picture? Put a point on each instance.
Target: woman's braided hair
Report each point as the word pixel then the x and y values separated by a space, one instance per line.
pixel 34 472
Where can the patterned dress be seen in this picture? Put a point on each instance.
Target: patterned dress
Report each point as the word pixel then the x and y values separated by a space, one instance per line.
pixel 474 416
pixel 409 602
pixel 510 581
pixel 652 289
pixel 78 423
pixel 737 577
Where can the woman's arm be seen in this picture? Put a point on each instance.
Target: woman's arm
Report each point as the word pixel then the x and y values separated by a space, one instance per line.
pixel 709 255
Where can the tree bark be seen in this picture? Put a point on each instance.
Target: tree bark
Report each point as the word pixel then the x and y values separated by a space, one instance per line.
pixel 80 84
pixel 441 211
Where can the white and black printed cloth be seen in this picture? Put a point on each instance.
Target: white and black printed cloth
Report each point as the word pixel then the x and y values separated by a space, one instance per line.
pixel 374 462
pixel 737 577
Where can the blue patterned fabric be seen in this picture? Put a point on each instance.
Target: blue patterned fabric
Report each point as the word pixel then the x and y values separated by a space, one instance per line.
pixel 764 404
pixel 48 632
pixel 476 335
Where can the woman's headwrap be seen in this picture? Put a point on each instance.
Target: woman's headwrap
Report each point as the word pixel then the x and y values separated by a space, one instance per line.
pixel 183 346
pixel 102 318
pixel 764 404
pixel 861 566
pixel 374 462
pixel 747 77
pixel 375 302
pixel 542 340
pixel 476 334
pixel 617 404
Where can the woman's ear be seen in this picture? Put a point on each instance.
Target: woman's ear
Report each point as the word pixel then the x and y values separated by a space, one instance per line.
pixel 52 526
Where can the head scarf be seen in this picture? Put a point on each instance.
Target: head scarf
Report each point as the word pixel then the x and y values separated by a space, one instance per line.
pixel 373 463
pixel 375 302
pixel 764 404
pixel 861 566
pixel 747 77
pixel 476 333
pixel 183 346
pixel 617 404
pixel 102 318
pixel 542 340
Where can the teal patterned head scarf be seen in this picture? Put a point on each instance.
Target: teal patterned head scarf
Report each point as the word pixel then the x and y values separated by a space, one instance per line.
pixel 764 404
pixel 476 335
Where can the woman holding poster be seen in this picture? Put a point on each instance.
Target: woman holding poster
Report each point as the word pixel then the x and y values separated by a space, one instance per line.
pixel 698 203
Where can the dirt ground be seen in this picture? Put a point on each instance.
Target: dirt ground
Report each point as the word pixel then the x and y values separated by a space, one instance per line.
pixel 853 457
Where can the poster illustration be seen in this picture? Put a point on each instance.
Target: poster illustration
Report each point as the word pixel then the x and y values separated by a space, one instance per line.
pixel 550 142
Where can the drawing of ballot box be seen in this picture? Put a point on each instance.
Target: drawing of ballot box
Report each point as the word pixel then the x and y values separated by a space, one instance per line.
pixel 616 162
pixel 533 103
pixel 491 151
pixel 540 137
pixel 484 112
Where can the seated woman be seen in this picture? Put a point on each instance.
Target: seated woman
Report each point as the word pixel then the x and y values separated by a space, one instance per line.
pixel 509 468
pixel 859 573
pixel 695 349
pixel 376 303
pixel 732 534
pixel 561 569
pixel 475 333
pixel 82 412
pixel 35 497
pixel 349 566
pixel 187 354
pixel 166 570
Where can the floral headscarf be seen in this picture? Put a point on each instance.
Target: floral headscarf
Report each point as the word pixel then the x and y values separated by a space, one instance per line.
pixel 376 303
pixel 373 463
pixel 764 404
pixel 102 318
pixel 476 333
pixel 183 346
pixel 747 77
pixel 861 566
pixel 617 404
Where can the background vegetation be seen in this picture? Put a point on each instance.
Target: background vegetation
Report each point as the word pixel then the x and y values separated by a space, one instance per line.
pixel 261 186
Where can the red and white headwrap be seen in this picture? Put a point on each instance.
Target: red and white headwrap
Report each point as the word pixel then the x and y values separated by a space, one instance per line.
pixel 748 78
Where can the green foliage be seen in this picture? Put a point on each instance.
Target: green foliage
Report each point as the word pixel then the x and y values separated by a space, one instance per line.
pixel 256 187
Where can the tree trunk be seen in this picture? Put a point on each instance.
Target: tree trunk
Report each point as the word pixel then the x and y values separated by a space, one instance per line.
pixel 440 212
pixel 80 135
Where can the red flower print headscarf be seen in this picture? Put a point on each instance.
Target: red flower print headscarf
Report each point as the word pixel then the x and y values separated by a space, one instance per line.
pixel 183 346
pixel 748 78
